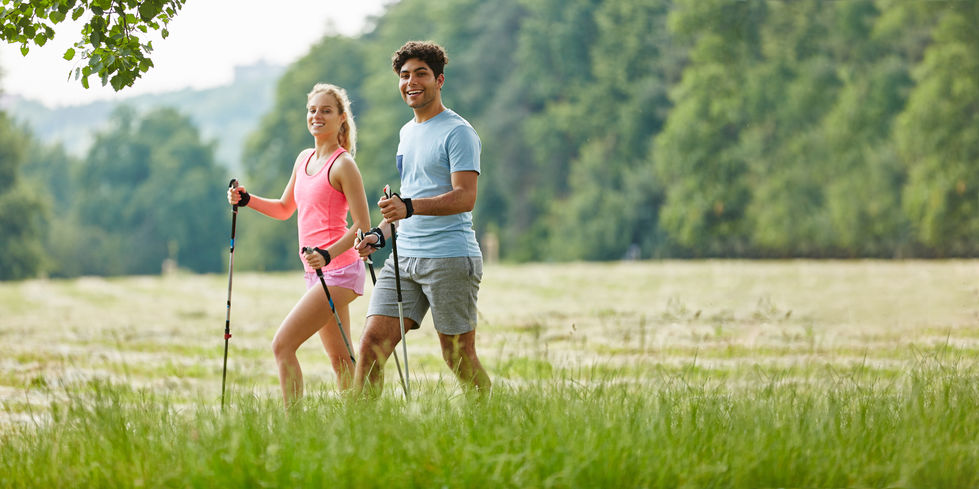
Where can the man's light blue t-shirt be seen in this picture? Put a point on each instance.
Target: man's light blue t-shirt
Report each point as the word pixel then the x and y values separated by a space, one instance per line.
pixel 428 154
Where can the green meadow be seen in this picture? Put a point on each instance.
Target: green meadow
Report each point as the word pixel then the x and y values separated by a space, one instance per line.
pixel 631 374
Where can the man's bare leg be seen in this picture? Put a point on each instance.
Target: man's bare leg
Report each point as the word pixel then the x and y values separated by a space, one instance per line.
pixel 459 352
pixel 381 336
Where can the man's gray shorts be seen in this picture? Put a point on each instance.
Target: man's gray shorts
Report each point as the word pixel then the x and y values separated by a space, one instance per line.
pixel 446 285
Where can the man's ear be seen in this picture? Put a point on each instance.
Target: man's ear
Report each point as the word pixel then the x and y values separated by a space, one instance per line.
pixel 441 80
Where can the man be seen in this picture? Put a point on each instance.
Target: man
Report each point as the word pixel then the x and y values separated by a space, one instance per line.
pixel 440 262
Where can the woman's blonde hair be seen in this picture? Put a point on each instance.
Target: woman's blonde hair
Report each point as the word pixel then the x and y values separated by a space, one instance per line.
pixel 348 128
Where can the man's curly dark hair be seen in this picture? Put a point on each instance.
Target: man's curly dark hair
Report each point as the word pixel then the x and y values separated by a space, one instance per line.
pixel 431 53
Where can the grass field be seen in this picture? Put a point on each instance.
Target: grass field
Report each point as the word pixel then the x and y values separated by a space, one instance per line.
pixel 650 374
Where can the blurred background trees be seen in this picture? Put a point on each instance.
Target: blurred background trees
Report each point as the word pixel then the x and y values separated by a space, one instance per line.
pixel 610 129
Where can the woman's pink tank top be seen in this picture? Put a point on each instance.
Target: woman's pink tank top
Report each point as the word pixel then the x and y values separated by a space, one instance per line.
pixel 322 212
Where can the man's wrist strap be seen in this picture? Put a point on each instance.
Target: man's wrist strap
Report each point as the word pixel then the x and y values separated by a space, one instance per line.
pixel 409 209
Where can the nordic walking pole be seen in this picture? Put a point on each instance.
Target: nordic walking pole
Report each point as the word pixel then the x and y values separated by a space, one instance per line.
pixel 329 298
pixel 370 266
pixel 231 264
pixel 401 315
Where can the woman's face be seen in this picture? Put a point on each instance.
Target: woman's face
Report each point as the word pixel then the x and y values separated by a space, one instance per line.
pixel 323 118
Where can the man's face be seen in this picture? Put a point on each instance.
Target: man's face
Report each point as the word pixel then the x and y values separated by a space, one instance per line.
pixel 419 86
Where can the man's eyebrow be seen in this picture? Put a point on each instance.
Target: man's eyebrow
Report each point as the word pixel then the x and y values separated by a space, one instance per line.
pixel 420 68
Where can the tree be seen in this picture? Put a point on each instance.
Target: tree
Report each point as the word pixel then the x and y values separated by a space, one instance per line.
pixel 111 33
pixel 611 206
pixel 697 156
pixel 863 198
pixel 148 190
pixel 789 89
pixel 937 137
pixel 23 214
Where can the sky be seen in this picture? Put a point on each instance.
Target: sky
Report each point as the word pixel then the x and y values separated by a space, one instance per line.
pixel 208 38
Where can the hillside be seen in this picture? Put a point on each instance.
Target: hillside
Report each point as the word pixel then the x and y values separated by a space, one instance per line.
pixel 224 114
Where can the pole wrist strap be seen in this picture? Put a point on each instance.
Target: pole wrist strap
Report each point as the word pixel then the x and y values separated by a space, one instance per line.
pixel 325 254
pixel 380 238
pixel 409 209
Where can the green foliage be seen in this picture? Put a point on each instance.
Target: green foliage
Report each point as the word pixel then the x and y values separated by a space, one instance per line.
pixel 611 194
pixel 676 128
pixel 633 128
pixel 114 50
pixel 938 137
pixel 149 190
pixel 696 156
pixel 23 213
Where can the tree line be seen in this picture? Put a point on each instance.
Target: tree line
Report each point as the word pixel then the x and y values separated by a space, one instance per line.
pixel 626 128
pixel 687 128
pixel 147 193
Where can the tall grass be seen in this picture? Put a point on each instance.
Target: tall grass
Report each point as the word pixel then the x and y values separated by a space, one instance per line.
pixel 667 374
pixel 915 431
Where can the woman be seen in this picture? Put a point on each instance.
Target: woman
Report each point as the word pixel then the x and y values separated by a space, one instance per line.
pixel 325 182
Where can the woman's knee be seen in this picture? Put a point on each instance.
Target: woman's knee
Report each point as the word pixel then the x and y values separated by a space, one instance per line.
pixel 282 349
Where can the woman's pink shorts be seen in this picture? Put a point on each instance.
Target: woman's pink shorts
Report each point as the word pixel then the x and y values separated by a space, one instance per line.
pixel 350 277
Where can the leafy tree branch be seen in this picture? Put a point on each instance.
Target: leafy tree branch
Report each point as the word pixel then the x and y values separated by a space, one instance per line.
pixel 110 46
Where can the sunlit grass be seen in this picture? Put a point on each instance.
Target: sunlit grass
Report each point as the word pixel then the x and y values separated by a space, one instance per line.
pixel 666 374
pixel 913 431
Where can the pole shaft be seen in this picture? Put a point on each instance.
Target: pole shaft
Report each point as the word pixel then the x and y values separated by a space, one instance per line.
pixel 397 363
pixel 227 318
pixel 329 298
pixel 401 316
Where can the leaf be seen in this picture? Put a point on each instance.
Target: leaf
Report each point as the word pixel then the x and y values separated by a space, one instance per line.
pixel 117 82
pixel 150 9
pixel 24 50
pixel 70 54
pixel 75 14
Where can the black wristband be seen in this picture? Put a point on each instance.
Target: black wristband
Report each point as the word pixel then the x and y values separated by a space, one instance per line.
pixel 380 238
pixel 325 254
pixel 243 197
pixel 409 209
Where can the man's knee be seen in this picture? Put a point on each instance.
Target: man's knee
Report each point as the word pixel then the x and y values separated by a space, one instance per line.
pixel 379 336
pixel 455 347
